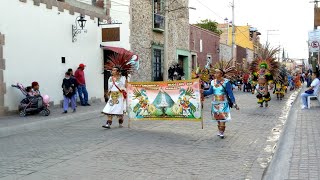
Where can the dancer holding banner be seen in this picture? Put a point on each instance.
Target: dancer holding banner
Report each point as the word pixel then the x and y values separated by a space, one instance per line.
pixel 120 65
pixel 223 98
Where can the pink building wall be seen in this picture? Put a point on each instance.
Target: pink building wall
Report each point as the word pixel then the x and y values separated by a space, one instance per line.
pixel 210 45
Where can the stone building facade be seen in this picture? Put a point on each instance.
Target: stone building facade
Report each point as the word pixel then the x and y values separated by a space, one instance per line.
pixel 3 109
pixel 148 36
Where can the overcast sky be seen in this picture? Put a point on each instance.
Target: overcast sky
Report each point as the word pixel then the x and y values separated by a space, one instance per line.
pixel 292 18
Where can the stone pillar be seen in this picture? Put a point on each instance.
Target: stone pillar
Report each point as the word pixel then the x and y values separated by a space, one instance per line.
pixel 2 68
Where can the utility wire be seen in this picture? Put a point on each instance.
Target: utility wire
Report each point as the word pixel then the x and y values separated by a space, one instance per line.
pixel 210 10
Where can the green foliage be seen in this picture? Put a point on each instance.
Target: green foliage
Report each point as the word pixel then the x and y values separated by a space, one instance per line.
pixel 209 25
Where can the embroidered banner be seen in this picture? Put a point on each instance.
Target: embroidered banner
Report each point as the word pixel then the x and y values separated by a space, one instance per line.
pixel 165 100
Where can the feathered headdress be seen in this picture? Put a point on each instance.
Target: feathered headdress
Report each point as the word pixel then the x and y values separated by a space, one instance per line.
pixel 283 73
pixel 227 68
pixel 266 59
pixel 124 60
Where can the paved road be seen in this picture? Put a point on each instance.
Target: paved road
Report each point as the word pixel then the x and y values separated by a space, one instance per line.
pixel 150 149
pixel 298 151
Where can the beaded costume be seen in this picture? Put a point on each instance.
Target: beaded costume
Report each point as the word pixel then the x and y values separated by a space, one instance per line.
pixel 222 96
pixel 264 68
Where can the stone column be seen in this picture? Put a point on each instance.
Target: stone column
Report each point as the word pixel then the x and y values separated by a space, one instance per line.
pixel 2 83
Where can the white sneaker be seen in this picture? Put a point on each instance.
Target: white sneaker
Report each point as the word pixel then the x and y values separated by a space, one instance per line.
pixel 304 107
pixel 221 135
pixel 106 126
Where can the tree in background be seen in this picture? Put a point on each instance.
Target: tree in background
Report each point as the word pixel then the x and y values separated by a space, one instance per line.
pixel 209 25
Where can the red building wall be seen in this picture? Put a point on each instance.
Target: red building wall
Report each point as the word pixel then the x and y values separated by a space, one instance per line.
pixel 210 44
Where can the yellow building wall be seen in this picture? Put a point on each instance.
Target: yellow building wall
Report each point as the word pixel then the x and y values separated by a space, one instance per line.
pixel 242 37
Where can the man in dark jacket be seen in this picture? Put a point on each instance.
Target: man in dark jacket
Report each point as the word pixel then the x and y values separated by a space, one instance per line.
pixel 69 85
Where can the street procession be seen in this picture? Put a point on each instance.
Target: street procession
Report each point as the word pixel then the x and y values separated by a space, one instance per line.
pixel 159 89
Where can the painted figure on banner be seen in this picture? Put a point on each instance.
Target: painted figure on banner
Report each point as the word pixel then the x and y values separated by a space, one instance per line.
pixel 186 107
pixel 142 107
pixel 163 102
pixel 172 100
pixel 223 98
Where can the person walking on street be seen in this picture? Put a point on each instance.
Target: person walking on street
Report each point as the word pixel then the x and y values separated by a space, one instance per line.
pixel 115 106
pixel 311 91
pixel 69 85
pixel 222 92
pixel 82 90
pixel 245 82
pixel 120 66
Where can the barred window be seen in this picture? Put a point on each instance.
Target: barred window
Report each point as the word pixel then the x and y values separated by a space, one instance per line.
pixel 157 65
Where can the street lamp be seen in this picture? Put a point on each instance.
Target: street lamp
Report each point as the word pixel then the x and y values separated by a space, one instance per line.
pixel 81 22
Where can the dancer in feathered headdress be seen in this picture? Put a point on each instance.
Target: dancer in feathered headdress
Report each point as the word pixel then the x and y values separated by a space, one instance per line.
pixel 264 68
pixel 205 76
pixel 223 98
pixel 280 83
pixel 120 64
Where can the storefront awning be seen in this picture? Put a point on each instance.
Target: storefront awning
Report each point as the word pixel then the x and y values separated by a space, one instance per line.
pixel 118 50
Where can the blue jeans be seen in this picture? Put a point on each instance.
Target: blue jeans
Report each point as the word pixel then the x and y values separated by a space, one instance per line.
pixel 83 90
pixel 304 98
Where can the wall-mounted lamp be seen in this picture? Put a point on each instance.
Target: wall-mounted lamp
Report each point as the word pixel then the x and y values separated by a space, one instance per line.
pixel 109 22
pixel 81 22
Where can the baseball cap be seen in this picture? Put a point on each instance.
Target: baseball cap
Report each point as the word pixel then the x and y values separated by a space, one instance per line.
pixel 33 84
pixel 82 65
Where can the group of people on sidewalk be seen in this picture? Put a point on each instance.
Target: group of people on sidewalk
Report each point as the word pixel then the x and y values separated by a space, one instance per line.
pixel 71 84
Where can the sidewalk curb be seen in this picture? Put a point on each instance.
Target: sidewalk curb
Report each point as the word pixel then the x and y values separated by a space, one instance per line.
pixel 278 168
pixel 49 123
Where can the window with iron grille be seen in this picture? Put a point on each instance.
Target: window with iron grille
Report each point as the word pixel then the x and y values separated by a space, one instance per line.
pixel 157 65
pixel 158 15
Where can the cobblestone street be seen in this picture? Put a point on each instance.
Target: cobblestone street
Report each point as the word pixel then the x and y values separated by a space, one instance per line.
pixel 150 149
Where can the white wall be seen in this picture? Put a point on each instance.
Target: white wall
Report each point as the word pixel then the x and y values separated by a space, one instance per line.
pixel 35 40
pixel 120 12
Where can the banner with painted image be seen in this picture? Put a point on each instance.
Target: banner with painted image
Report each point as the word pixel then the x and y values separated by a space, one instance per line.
pixel 165 100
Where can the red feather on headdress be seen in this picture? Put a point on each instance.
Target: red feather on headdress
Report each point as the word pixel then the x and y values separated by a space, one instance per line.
pixel 120 60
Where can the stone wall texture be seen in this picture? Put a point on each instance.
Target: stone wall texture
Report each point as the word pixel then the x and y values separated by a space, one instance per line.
pixel 249 55
pixel 143 37
pixel 3 109
pixel 225 52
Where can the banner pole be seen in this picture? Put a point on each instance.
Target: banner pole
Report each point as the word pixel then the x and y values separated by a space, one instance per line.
pixel 202 102
pixel 129 122
pixel 202 122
